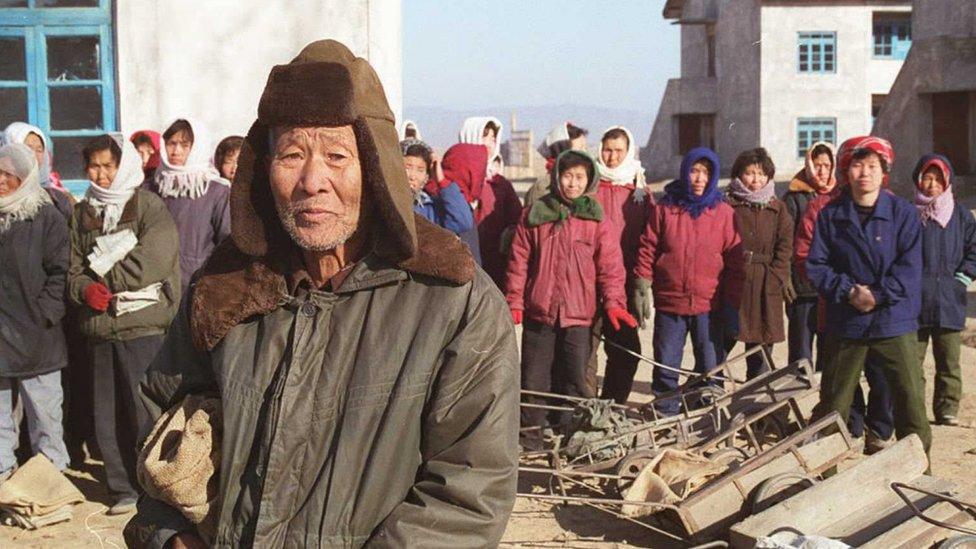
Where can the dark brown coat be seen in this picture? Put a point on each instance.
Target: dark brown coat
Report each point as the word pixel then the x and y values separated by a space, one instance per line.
pixel 767 244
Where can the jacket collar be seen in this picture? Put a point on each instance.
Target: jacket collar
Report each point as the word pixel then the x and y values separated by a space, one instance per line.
pixel 90 221
pixel 234 286
pixel 883 208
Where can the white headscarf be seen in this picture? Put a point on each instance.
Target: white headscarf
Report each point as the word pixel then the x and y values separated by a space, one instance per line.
pixel 112 201
pixel 473 130
pixel 17 132
pixel 410 124
pixel 192 179
pixel 555 135
pixel 24 203
pixel 629 169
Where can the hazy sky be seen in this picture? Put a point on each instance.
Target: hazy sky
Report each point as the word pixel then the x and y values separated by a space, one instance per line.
pixel 469 54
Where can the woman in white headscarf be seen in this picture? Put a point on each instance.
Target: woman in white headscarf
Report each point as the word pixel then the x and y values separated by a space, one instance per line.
pixel 194 192
pixel 34 138
pixel 33 262
pixel 498 208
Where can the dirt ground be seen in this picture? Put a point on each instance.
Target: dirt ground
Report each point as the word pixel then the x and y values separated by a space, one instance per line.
pixel 533 523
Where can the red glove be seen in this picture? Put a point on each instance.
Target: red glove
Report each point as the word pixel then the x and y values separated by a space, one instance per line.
pixel 98 296
pixel 517 316
pixel 619 315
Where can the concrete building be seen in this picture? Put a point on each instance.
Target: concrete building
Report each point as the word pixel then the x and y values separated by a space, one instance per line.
pixel 932 104
pixel 78 68
pixel 776 73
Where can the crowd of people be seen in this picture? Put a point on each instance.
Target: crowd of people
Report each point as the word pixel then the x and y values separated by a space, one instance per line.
pixel 91 287
pixel 593 255
pixel 94 289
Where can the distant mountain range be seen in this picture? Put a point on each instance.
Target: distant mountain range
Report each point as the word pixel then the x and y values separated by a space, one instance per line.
pixel 439 126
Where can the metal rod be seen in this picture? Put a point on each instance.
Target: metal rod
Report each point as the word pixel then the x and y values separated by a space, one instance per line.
pixel 567 472
pixel 686 373
pixel 598 501
pixel 966 507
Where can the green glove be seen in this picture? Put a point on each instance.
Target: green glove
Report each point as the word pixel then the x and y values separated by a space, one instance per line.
pixel 642 300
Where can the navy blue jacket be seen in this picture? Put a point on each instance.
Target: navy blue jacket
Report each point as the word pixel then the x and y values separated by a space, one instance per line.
pixel 946 252
pixel 885 255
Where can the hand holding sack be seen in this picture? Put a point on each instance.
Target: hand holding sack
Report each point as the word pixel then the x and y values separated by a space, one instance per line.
pixel 98 296
pixel 642 300
pixel 618 316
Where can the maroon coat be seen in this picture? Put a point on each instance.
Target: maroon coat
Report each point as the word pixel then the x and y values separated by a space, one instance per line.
pixel 767 244
pixel 498 210
pixel 625 216
pixel 685 259
pixel 555 269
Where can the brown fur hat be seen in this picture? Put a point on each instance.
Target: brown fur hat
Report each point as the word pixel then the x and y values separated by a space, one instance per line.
pixel 325 85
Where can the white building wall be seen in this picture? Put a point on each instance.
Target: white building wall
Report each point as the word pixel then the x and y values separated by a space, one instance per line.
pixel 787 94
pixel 210 59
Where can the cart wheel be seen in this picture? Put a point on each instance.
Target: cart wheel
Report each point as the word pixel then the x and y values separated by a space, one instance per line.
pixel 959 542
pixel 731 456
pixel 776 489
pixel 631 466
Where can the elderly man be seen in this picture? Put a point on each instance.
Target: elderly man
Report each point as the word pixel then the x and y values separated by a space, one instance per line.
pixel 366 368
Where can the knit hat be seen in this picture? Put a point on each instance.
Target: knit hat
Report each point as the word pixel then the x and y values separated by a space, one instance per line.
pixel 325 85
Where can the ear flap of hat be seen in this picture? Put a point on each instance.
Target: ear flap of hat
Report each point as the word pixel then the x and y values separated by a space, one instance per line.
pixel 254 220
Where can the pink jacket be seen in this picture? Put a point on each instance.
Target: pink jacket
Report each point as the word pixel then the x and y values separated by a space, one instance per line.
pixel 690 261
pixel 555 269
pixel 625 216
pixel 498 210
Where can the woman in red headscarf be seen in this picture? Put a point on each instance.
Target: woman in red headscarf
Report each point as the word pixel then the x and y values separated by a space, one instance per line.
pixel 147 143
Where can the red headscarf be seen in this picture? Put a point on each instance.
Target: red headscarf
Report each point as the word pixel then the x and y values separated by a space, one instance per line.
pixel 154 137
pixel 877 145
pixel 464 164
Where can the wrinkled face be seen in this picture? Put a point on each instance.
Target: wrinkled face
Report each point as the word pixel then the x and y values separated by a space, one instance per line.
pixel 572 182
pixel 36 144
pixel 866 175
pixel 489 139
pixel 822 166
pixel 145 153
pixel 416 172
pixel 101 168
pixel 178 148
pixel 228 168
pixel 933 182
pixel 699 177
pixel 8 183
pixel 753 177
pixel 316 181
pixel 613 151
pixel 578 144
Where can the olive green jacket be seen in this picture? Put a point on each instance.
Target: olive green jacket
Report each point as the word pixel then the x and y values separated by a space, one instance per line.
pixel 381 414
pixel 154 259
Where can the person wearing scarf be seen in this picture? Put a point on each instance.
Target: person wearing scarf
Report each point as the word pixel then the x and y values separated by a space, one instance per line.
pixel 194 192
pixel 37 141
pixel 687 254
pixel 441 202
pixel 121 345
pixel 766 229
pixel 463 165
pixel 623 195
pixel 33 262
pixel 816 178
pixel 146 143
pixel 563 257
pixel 948 268
pixel 866 263
pixel 561 138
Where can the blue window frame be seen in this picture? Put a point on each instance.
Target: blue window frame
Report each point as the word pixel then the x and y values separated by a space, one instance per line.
pixel 892 35
pixel 817 52
pixel 61 75
pixel 811 130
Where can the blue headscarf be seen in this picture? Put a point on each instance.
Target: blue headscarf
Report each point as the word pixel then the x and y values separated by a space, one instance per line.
pixel 678 192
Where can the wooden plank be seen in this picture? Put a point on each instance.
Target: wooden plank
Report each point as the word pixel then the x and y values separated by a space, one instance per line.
pixel 836 498
pixel 915 532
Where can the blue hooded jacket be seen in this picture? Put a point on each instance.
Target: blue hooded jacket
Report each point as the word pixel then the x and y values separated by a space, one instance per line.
pixel 678 192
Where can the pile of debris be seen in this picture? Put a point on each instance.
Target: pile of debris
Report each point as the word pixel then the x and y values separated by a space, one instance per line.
pixel 749 464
